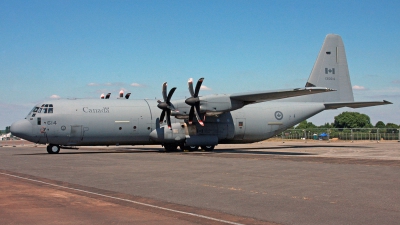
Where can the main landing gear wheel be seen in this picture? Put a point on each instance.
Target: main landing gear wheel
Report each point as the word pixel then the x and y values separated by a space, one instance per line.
pixel 53 149
pixel 191 148
pixel 208 148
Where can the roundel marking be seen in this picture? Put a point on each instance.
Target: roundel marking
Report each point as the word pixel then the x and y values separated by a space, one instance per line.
pixel 63 128
pixel 278 115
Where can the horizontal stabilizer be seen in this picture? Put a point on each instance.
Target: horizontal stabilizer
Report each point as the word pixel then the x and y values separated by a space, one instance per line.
pixel 337 105
pixel 261 96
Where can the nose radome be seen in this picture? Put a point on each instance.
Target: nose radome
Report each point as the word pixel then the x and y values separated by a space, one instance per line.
pixel 22 129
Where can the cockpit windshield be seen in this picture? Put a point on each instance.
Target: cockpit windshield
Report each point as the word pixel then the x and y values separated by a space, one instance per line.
pixel 45 108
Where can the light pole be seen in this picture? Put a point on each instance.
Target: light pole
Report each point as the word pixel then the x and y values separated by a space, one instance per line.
pixel 351 135
pixel 399 135
pixel 377 136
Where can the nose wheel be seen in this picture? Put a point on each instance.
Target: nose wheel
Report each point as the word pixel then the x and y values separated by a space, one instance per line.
pixel 53 149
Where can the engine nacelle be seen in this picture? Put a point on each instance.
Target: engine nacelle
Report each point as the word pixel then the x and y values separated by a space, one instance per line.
pixel 181 133
pixel 177 134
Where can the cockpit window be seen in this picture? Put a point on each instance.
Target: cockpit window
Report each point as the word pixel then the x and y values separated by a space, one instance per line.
pixel 45 108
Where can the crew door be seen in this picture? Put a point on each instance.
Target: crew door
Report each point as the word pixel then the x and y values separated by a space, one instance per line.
pixel 76 135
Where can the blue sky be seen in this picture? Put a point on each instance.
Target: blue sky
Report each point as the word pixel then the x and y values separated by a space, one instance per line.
pixel 85 48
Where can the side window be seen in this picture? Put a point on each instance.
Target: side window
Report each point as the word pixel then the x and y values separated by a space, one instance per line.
pixel 45 110
pixel 39 121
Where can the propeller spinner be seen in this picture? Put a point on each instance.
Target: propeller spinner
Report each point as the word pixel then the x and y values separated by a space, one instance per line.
pixel 166 106
pixel 194 101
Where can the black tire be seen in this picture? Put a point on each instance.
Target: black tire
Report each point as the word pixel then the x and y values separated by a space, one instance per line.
pixel 192 148
pixel 170 148
pixel 208 148
pixel 53 149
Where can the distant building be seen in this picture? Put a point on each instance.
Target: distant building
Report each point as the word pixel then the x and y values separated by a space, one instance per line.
pixel 4 137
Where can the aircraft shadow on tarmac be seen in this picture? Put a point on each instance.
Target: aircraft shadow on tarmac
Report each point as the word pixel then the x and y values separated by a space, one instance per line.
pixel 80 152
pixel 262 150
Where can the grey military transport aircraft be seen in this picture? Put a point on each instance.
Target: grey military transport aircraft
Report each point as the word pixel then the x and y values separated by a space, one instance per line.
pixel 198 121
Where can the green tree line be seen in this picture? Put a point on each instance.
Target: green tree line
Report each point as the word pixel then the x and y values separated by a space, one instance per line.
pixel 352 120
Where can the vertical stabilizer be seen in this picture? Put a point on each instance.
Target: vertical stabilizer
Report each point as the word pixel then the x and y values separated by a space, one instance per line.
pixel 331 71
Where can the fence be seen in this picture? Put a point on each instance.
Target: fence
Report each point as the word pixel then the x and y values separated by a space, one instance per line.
pixel 346 134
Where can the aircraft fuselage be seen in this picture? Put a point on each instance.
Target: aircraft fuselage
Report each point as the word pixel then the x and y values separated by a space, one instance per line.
pixel 78 122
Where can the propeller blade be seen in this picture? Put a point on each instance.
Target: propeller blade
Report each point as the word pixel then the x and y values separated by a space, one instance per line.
pixel 198 85
pixel 169 119
pixel 171 92
pixel 197 110
pixel 162 116
pixel 164 91
pixel 191 114
pixel 190 84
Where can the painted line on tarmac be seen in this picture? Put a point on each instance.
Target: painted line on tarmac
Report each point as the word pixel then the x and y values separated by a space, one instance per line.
pixel 126 200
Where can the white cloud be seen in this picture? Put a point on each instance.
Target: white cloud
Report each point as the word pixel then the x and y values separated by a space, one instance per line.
pixel 93 84
pixel 136 85
pixel 55 97
pixel 356 87
pixel 205 88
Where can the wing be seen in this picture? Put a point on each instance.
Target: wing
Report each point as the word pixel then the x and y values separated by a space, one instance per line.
pixel 262 96
pixel 336 105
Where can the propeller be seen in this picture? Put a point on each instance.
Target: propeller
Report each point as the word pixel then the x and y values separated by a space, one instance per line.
pixel 194 101
pixel 166 106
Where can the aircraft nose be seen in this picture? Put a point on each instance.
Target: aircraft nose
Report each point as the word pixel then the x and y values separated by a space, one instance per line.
pixel 22 129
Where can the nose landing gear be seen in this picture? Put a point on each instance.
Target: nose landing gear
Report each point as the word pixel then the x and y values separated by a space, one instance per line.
pixel 53 149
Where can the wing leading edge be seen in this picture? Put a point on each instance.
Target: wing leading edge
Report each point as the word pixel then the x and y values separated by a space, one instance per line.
pixel 262 96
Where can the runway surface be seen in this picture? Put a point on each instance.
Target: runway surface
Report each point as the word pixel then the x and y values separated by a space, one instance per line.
pixel 260 183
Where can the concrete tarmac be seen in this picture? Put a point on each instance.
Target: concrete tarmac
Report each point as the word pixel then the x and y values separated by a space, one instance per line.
pixel 260 183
